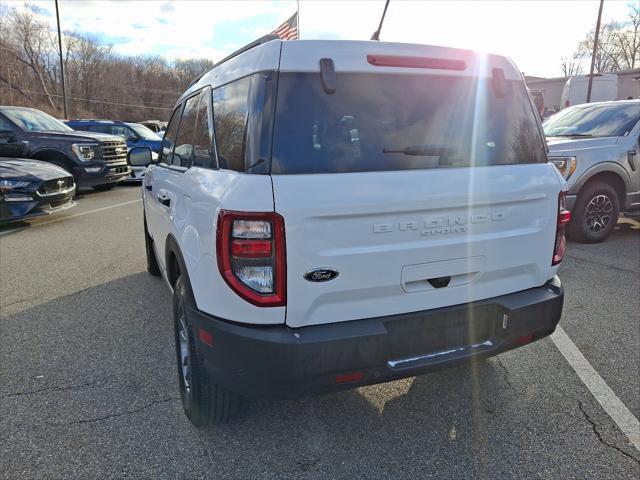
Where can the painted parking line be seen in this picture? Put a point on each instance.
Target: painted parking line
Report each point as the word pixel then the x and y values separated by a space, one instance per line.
pixel 611 404
pixel 81 214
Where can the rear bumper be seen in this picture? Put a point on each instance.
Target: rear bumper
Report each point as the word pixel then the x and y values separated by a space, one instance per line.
pixel 278 361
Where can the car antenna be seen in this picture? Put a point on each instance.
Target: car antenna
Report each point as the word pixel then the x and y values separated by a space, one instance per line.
pixel 376 34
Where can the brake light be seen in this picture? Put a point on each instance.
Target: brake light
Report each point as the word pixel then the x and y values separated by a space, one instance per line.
pixel 564 216
pixel 416 62
pixel 251 256
pixel 567 103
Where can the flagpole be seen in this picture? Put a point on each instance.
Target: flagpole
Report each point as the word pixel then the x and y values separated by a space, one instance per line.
pixel 298 3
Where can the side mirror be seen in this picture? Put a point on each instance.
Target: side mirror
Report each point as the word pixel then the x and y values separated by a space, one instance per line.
pixel 139 157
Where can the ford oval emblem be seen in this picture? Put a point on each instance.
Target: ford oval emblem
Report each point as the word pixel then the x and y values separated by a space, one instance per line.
pixel 321 275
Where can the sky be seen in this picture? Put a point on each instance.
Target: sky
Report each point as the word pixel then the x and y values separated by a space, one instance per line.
pixel 535 34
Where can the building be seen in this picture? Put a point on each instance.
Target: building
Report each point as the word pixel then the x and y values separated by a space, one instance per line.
pixel 552 87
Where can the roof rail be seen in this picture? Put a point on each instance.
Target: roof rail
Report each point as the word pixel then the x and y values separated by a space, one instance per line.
pixel 249 46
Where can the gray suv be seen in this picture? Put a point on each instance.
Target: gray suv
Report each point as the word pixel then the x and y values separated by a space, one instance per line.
pixel 596 148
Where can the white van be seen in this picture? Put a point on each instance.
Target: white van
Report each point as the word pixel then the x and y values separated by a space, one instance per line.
pixel 604 88
pixel 332 214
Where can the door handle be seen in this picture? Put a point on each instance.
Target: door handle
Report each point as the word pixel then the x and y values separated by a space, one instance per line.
pixel 163 199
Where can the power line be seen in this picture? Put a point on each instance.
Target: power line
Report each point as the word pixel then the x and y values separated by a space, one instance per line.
pixel 99 101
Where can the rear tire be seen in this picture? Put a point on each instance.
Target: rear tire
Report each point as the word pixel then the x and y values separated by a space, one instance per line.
pixel 595 213
pixel 205 403
pixel 152 262
pixel 104 187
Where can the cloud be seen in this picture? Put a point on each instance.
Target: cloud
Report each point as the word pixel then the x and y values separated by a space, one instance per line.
pixel 38 10
pixel 535 34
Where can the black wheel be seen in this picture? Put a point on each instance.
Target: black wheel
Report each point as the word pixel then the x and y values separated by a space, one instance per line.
pixel 104 186
pixel 204 402
pixel 152 261
pixel 595 213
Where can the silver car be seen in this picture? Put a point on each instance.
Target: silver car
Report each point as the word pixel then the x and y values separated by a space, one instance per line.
pixel 596 148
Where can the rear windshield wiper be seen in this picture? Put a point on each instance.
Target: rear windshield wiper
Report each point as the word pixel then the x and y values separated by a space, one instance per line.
pixel 422 150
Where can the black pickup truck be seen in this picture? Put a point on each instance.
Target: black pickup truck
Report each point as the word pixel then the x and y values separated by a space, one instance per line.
pixel 94 159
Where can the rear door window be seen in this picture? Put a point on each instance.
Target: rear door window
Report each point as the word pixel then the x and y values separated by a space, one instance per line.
pixel 384 122
pixel 203 155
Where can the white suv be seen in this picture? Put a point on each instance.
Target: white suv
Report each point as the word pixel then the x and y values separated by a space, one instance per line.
pixel 332 214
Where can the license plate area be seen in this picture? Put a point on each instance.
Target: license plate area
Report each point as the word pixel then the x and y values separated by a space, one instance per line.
pixel 443 334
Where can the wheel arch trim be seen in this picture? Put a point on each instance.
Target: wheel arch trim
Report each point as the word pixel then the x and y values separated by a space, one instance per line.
pixel 53 151
pixel 598 169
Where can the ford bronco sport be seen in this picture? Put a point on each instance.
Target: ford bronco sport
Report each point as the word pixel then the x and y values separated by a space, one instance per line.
pixel 332 214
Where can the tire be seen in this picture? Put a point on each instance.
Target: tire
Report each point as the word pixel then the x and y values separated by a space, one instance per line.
pixel 104 187
pixel 595 213
pixel 204 402
pixel 152 262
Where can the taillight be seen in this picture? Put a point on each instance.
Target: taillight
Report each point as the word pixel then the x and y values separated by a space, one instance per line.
pixel 564 216
pixel 251 256
pixel 567 103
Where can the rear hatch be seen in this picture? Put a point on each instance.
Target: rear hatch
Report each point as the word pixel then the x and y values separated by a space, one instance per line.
pixel 419 187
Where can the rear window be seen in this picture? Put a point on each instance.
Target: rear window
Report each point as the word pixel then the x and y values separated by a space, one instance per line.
pixel 384 122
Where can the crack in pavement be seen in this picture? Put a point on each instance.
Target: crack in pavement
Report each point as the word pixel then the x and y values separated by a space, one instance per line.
pixel 115 415
pixel 506 375
pixel 599 435
pixel 46 389
pixel 23 300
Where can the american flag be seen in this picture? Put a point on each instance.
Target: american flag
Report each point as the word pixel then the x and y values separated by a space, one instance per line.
pixel 289 29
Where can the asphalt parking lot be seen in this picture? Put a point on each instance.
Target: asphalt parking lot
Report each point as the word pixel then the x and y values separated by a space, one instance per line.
pixel 88 384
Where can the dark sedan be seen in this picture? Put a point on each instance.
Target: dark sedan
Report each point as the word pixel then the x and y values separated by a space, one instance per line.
pixel 30 188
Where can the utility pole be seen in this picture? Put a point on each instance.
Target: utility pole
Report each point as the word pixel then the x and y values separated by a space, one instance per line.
pixel 64 88
pixel 10 89
pixel 593 55
pixel 376 34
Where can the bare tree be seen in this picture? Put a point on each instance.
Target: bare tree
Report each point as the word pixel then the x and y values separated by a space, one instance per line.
pixel 571 66
pixel 629 39
pixel 618 44
pixel 35 41
pixel 100 83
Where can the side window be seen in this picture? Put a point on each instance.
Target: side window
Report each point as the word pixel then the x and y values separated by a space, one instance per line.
pixel 203 155
pixel 230 109
pixel 169 140
pixel 184 142
pixel 100 129
pixel 5 125
pixel 122 131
